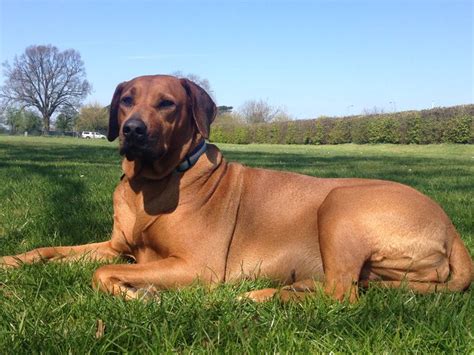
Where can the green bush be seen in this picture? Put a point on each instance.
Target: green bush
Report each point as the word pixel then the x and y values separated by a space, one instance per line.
pixel 292 133
pixel 318 137
pixel 340 132
pixel 414 131
pixel 440 125
pixel 275 134
pixel 359 131
pixel 383 130
pixel 432 129
pixel 241 135
pixel 459 130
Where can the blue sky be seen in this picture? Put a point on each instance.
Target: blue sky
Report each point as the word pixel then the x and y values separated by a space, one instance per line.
pixel 312 57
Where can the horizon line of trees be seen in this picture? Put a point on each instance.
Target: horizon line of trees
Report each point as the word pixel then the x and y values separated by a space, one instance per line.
pixel 440 125
pixel 46 87
pixel 90 117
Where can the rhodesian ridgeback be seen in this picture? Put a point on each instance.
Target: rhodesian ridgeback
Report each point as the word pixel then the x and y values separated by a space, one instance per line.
pixel 183 213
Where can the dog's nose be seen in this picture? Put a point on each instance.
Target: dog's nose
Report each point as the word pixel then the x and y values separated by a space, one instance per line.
pixel 134 129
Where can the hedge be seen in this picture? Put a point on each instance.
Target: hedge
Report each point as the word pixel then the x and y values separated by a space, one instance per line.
pixel 441 125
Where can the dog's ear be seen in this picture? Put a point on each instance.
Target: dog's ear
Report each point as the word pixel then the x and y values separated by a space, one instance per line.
pixel 203 108
pixel 114 127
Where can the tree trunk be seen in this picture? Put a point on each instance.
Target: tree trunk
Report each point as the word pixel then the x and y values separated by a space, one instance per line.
pixel 45 124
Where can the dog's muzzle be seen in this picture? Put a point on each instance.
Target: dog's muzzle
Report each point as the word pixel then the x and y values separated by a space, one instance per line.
pixel 135 144
pixel 134 130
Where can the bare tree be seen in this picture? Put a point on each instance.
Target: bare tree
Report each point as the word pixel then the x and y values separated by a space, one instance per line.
pixel 283 116
pixel 47 79
pixel 229 118
pixel 373 111
pixel 202 82
pixel 260 111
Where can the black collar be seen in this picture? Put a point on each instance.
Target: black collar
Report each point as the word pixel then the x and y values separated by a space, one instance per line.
pixel 192 157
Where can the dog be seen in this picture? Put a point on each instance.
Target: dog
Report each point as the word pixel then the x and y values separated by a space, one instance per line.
pixel 183 213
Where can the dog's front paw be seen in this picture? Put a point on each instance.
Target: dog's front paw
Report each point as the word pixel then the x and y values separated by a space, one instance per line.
pixel 8 262
pixel 149 293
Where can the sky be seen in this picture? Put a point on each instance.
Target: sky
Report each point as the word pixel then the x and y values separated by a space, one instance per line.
pixel 311 58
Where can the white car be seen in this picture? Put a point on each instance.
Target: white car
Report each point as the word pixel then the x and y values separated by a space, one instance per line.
pixel 87 134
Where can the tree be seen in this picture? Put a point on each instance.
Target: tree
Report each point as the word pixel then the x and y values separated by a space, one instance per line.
pixel 47 79
pixel 12 118
pixel 21 120
pixel 202 82
pixel 230 118
pixel 66 120
pixel 222 110
pixel 261 111
pixel 372 111
pixel 282 116
pixel 93 117
pixel 31 122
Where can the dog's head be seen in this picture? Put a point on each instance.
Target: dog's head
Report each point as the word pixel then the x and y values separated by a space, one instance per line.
pixel 158 119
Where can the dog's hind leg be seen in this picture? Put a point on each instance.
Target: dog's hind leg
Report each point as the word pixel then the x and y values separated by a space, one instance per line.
pixel 267 294
pixel 343 252
pixel 294 292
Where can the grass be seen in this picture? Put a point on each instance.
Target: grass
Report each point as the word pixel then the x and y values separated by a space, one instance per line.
pixel 58 191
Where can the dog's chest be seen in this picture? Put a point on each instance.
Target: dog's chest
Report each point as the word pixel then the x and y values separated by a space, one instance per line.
pixel 137 210
pixel 130 218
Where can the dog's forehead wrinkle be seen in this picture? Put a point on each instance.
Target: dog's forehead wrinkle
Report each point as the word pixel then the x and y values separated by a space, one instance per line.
pixel 153 91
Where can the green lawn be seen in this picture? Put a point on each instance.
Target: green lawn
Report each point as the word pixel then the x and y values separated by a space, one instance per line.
pixel 59 191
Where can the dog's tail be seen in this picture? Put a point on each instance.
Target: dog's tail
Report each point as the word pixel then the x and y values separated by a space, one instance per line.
pixel 461 266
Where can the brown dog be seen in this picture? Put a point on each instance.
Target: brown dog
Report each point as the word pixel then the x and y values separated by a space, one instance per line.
pixel 184 214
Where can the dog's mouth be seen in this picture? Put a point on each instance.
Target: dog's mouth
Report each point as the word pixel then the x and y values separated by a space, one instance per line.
pixel 132 152
pixel 137 150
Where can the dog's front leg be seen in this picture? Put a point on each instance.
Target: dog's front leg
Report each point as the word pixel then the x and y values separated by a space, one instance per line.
pixel 93 251
pixel 134 281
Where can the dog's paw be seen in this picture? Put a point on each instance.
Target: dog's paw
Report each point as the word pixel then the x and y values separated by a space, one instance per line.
pixel 145 294
pixel 150 293
pixel 259 296
pixel 9 262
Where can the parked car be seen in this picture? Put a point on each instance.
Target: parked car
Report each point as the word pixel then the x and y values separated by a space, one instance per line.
pixel 88 135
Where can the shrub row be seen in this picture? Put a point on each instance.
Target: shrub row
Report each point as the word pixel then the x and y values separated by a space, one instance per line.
pixel 450 125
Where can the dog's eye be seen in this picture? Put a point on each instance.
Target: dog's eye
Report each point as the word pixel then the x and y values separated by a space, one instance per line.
pixel 127 101
pixel 165 104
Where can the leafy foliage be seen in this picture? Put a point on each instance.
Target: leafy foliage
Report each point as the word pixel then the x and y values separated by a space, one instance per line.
pixel 20 121
pixel 66 120
pixel 442 125
pixel 93 117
